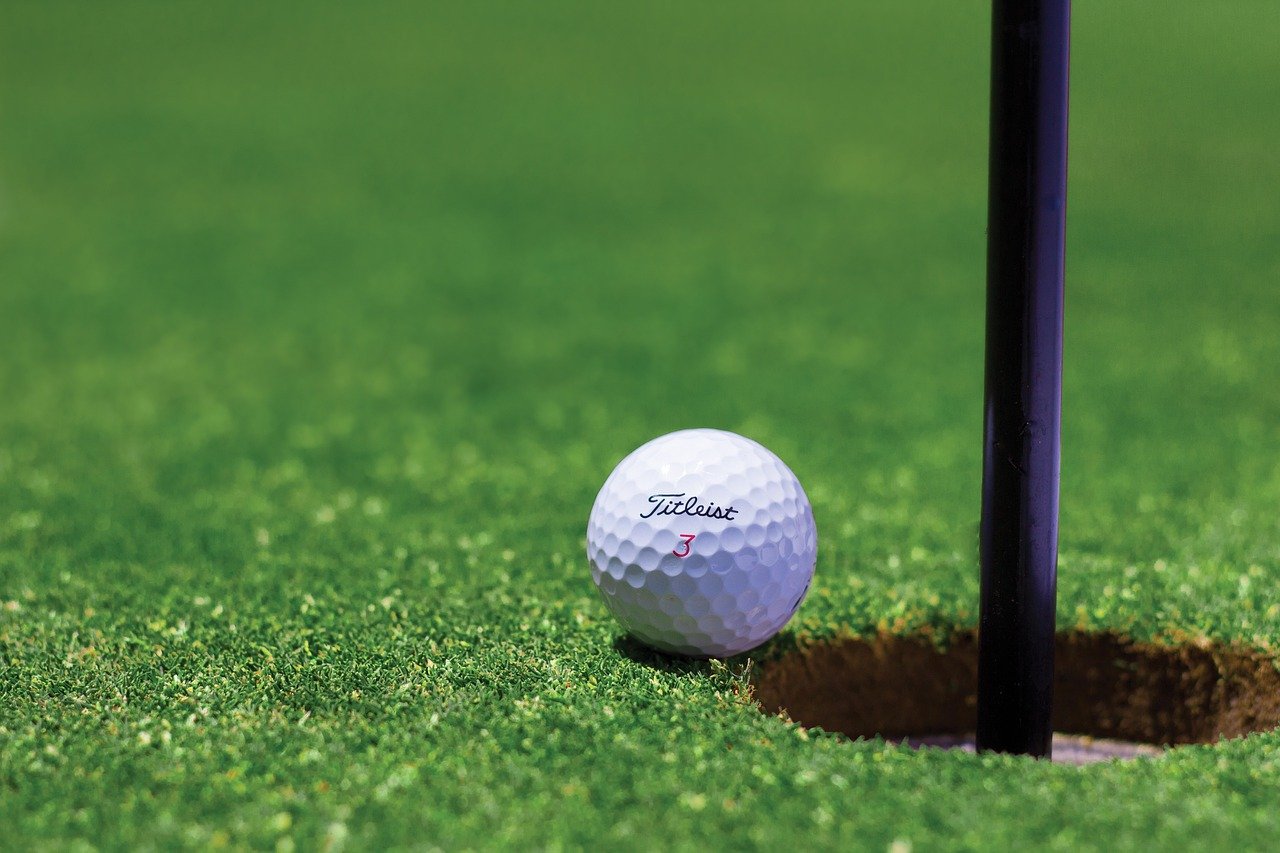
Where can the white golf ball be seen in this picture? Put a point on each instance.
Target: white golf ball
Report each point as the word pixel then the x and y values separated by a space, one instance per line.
pixel 702 543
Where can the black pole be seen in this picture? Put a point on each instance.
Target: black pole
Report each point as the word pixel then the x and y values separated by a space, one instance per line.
pixel 1025 242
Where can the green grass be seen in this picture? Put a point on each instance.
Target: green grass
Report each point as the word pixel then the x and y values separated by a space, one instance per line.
pixel 320 326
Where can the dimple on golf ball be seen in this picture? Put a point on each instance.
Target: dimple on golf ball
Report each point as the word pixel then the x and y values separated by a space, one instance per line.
pixel 702 543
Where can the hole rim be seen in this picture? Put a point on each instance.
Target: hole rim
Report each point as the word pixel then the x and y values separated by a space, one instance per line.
pixel 1107 687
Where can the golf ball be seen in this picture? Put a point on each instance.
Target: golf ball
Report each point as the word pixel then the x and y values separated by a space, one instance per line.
pixel 702 543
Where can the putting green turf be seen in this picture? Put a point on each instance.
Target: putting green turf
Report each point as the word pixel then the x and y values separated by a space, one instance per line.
pixel 320 327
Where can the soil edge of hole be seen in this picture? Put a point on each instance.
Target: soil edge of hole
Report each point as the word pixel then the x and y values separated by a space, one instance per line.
pixel 1106 686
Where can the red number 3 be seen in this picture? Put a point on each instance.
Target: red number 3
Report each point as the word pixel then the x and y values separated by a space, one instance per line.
pixel 686 540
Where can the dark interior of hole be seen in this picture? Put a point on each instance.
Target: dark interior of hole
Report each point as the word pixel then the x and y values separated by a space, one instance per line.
pixel 1106 686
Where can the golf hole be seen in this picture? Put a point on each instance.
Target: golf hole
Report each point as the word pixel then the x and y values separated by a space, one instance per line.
pixel 1113 698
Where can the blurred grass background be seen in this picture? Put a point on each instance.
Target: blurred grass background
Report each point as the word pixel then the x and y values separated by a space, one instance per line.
pixel 347 304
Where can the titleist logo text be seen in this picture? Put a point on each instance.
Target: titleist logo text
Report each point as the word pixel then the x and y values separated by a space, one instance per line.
pixel 682 504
